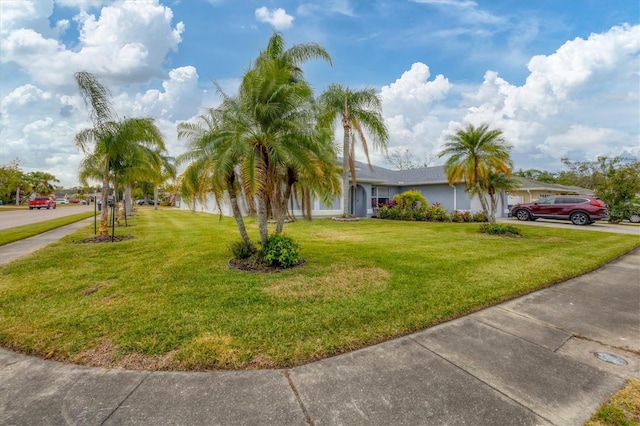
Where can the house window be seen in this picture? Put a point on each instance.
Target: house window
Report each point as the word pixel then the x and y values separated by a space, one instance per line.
pixel 379 196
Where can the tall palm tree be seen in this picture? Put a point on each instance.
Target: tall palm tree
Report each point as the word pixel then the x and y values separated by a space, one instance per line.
pixel 111 144
pixel 473 154
pixel 358 111
pixel 274 117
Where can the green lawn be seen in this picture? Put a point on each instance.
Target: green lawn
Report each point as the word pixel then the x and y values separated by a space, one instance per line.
pixel 21 232
pixel 166 299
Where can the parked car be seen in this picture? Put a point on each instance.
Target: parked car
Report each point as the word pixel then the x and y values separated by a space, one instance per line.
pixel 62 201
pixel 580 210
pixel 632 212
pixel 42 202
pixel 141 202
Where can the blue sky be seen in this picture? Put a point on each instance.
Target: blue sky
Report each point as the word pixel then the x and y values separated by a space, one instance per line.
pixel 560 78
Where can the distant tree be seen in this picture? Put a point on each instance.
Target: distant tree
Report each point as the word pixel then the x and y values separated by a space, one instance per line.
pixel 42 182
pixel 584 174
pixel 358 111
pixel 618 184
pixel 473 154
pixel 539 175
pixel 405 160
pixel 11 176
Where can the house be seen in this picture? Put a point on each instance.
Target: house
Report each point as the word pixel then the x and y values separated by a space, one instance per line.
pixel 377 186
pixel 531 190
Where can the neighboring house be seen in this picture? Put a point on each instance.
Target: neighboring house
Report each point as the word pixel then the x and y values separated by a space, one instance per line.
pixel 376 187
pixel 60 196
pixel 531 190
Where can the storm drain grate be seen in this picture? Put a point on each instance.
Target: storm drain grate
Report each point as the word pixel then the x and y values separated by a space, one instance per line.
pixel 607 357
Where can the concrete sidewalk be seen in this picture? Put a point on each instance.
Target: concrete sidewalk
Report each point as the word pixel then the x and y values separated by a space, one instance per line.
pixel 546 358
pixel 21 248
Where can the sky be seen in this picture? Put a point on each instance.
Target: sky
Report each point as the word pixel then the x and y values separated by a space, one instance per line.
pixel 561 79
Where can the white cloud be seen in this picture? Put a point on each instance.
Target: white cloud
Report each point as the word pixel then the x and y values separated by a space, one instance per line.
pixel 581 101
pixel 111 44
pixel 278 18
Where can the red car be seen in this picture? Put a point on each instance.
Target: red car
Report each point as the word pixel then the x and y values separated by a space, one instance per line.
pixel 580 210
pixel 42 202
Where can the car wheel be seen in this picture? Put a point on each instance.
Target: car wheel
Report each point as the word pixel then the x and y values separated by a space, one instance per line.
pixel 635 218
pixel 523 215
pixel 30 208
pixel 580 218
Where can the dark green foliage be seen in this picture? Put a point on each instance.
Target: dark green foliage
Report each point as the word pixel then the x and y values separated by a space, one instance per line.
pixel 241 250
pixel 499 229
pixel 281 250
pixel 410 199
pixel 461 216
pixel 479 217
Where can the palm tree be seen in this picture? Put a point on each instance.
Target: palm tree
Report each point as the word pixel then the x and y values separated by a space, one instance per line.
pixel 274 118
pixel 42 182
pixel 496 184
pixel 473 154
pixel 111 146
pixel 214 160
pixel 263 142
pixel 358 111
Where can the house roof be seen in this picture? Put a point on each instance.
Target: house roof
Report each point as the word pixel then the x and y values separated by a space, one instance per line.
pixel 419 176
pixel 534 185
pixel 436 175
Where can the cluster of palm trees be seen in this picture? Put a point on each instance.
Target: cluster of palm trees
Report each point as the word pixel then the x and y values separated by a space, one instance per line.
pixel 271 145
pixel 118 151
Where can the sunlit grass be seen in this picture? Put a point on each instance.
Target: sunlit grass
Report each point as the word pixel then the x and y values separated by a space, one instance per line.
pixel 166 299
pixel 623 409
pixel 21 232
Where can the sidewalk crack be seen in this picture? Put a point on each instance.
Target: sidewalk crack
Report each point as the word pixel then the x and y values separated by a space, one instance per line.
pixel 125 399
pixel 300 403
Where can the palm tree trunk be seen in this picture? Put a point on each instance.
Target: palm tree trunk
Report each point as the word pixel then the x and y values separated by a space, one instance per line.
pixel 104 213
pixel 128 202
pixel 483 202
pixel 262 219
pixel 237 215
pixel 346 150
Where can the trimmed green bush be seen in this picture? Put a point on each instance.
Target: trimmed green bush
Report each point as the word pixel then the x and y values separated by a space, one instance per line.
pixel 281 250
pixel 499 229
pixel 241 250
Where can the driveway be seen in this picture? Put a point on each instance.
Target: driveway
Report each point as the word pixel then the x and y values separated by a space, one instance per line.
pixel 622 228
pixel 13 218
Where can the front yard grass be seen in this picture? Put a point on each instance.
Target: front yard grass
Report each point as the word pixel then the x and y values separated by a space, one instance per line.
pixel 167 299
pixel 21 232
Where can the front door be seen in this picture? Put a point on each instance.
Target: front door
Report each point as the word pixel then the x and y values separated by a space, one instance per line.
pixel 358 201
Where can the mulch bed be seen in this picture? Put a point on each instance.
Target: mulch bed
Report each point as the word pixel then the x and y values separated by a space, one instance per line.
pixel 253 265
pixel 104 239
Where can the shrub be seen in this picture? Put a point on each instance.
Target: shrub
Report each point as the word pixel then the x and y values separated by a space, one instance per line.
pixel 479 217
pixel 281 250
pixel 410 199
pixel 499 229
pixel 437 213
pixel 241 250
pixel 461 216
